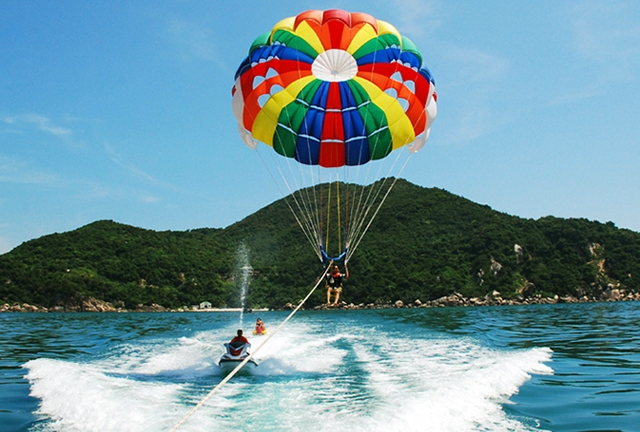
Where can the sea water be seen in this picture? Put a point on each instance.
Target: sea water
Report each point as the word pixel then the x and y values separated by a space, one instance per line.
pixel 512 368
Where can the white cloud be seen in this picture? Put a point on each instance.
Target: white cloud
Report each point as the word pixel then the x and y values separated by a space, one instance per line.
pixel 147 178
pixel 416 18
pixel 608 33
pixel 476 88
pixel 590 91
pixel 475 65
pixel 473 122
pixel 95 190
pixel 99 191
pixel 16 171
pixel 149 199
pixel 192 40
pixel 76 119
pixel 40 122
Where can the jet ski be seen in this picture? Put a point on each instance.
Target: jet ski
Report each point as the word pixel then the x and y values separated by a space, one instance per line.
pixel 236 353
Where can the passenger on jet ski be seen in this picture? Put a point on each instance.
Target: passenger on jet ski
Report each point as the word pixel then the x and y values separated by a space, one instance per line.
pixel 260 328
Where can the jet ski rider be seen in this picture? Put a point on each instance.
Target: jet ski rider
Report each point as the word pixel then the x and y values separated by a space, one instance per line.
pixel 239 340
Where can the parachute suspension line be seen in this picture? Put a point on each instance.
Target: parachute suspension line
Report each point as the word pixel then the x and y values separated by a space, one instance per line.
pixel 304 224
pixel 372 197
pixel 310 189
pixel 363 203
pixel 338 211
pixel 297 181
pixel 315 175
pixel 366 218
pixel 250 356
pixel 346 216
pixel 304 213
pixel 332 208
pixel 307 194
pixel 306 204
pixel 368 202
pixel 328 227
pixel 320 213
pixel 355 246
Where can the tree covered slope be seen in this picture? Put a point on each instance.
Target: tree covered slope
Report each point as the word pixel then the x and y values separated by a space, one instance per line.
pixel 424 243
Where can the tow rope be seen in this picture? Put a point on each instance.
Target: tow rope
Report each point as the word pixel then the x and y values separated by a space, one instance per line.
pixel 250 356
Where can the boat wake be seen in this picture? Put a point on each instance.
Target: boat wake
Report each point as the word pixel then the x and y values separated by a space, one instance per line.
pixel 313 380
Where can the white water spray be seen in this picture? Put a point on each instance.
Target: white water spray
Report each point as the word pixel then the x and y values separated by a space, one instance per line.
pixel 244 270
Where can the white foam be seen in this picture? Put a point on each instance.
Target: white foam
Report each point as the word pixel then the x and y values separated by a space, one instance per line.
pixel 355 380
pixel 80 397
pixel 297 349
pixel 448 385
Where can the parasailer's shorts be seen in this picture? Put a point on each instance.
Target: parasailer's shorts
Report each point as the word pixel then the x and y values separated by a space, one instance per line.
pixel 335 289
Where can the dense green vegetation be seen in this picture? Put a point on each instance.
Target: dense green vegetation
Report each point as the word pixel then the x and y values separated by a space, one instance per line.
pixel 425 243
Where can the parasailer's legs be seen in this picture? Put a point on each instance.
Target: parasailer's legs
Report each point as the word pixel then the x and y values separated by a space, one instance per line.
pixel 337 292
pixel 334 278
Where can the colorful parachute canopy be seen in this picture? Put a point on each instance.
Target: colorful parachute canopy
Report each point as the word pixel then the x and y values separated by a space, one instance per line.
pixel 334 88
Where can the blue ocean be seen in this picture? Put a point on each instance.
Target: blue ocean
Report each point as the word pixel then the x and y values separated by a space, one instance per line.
pixel 566 367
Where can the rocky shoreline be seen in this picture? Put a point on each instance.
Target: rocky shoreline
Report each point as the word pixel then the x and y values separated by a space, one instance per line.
pixel 492 299
pixel 89 305
pixel 452 300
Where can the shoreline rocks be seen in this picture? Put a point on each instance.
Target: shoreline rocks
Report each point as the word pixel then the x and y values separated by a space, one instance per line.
pixel 452 300
pixel 88 305
pixel 491 299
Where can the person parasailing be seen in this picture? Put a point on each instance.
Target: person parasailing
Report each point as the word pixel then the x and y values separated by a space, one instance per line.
pixel 334 280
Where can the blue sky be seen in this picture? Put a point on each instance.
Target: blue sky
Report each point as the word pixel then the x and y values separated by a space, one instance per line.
pixel 122 110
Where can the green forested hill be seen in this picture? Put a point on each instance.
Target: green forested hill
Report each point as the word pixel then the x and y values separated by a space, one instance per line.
pixel 425 243
pixel 116 263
